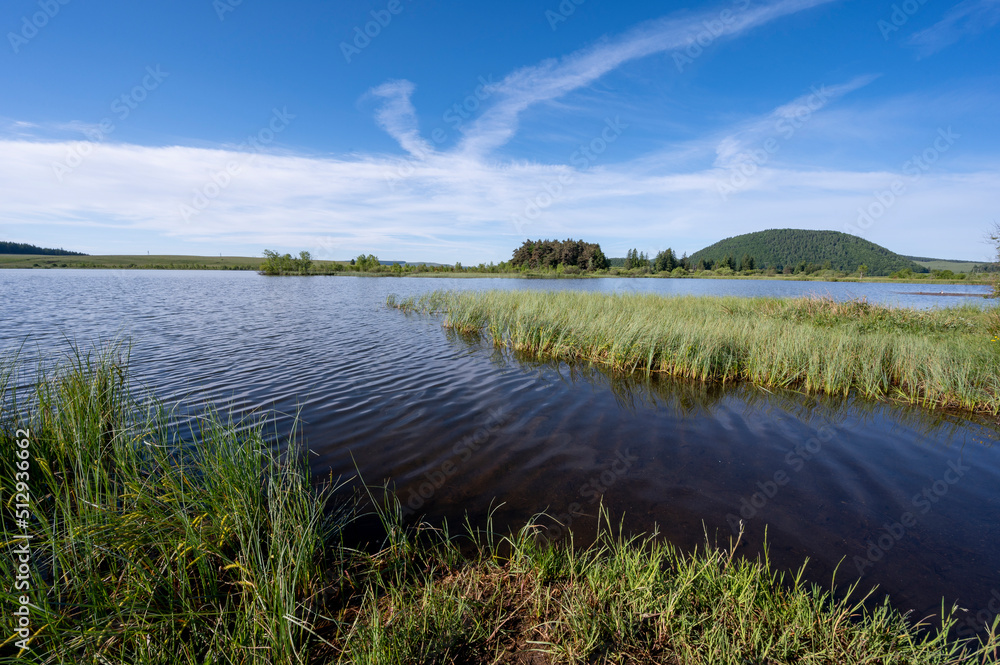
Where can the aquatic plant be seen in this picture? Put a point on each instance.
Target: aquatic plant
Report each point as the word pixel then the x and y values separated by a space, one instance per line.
pixel 933 358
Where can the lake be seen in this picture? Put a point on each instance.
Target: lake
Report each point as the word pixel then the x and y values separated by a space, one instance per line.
pixel 904 498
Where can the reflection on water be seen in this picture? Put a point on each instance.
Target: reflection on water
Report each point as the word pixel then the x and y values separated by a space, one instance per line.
pixel 896 496
pixel 904 498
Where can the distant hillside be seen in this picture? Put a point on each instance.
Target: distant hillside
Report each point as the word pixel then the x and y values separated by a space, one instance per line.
pixel 944 264
pixel 24 248
pixel 779 248
pixel 926 259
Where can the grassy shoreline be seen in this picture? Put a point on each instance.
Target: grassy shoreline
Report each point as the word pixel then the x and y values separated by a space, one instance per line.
pixel 940 358
pixel 340 268
pixel 128 262
pixel 705 275
pixel 153 545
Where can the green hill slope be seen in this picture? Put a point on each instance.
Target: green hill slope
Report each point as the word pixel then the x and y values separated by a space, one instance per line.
pixel 790 247
pixel 944 264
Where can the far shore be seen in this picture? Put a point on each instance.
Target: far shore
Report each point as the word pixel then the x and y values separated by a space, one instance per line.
pixel 707 275
pixel 343 269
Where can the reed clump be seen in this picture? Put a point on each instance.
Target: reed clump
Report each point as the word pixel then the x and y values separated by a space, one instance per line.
pixel 150 547
pixel 939 358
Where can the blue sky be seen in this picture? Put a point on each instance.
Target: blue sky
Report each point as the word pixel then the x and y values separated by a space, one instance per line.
pixel 445 131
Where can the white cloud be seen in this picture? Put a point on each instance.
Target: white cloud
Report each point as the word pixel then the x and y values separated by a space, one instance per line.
pixel 450 208
pixel 74 129
pixel 969 17
pixel 460 204
pixel 781 123
pixel 553 78
pixel 398 118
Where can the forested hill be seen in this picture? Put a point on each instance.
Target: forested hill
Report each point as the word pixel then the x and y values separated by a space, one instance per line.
pixel 24 248
pixel 780 248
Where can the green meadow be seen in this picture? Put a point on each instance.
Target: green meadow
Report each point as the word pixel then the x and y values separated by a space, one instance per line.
pixel 943 264
pixel 154 262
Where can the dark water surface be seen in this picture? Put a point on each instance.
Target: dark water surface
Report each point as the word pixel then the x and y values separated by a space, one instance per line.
pixel 905 498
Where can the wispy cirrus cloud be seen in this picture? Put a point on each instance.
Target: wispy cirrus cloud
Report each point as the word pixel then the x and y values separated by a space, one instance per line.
pixel 970 17
pixel 554 78
pixel 783 122
pixel 73 129
pixel 398 118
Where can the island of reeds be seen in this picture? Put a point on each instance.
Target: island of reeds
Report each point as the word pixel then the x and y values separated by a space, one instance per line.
pixel 940 358
pixel 153 542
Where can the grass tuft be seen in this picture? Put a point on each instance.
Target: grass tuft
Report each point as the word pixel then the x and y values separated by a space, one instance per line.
pixel 519 599
pixel 939 358
pixel 148 549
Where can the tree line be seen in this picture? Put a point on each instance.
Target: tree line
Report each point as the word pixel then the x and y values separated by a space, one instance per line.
pixel 665 260
pixel 568 253
pixel 275 264
pixel 25 248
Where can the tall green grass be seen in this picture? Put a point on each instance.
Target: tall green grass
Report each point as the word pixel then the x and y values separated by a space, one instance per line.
pixel 934 358
pixel 518 599
pixel 148 549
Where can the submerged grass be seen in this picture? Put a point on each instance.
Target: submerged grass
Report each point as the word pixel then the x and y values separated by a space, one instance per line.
pixel 149 547
pixel 934 358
